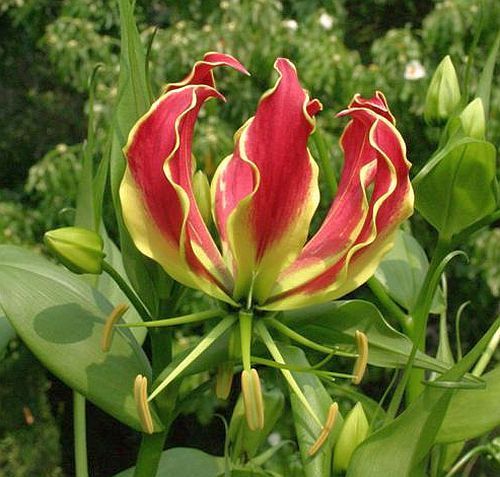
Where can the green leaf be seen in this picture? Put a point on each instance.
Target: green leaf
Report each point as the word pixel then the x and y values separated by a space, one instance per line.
pixel 486 79
pixel 472 413
pixel 402 272
pixel 335 324
pixel 400 447
pixel 6 334
pixel 185 462
pixel 61 318
pixel 320 465
pixel 460 188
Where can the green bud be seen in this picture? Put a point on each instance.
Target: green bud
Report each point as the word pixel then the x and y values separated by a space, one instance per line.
pixel 80 250
pixel 473 120
pixel 201 188
pixel 443 95
pixel 353 432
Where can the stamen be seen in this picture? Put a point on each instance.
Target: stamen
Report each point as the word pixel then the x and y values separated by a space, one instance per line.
pixel 108 331
pixel 141 401
pixel 252 399
pixel 362 360
pixel 224 380
pixel 326 429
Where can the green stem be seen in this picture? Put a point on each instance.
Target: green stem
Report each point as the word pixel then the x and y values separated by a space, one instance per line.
pixel 125 288
pixel 389 305
pixel 80 435
pixel 178 320
pixel 466 458
pixel 246 318
pixel 149 454
pixel 326 167
pixel 293 335
pixel 487 354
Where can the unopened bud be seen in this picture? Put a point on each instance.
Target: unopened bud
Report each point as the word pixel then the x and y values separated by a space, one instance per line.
pixel 353 432
pixel 201 188
pixel 473 120
pixel 252 399
pixel 80 250
pixel 443 95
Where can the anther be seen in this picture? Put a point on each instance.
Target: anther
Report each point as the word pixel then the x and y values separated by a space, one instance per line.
pixel 141 402
pixel 224 380
pixel 326 429
pixel 107 332
pixel 362 359
pixel 252 399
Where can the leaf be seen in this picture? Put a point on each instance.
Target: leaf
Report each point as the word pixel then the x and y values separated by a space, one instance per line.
pixel 320 465
pixel 60 318
pixel 335 324
pixel 460 188
pixel 402 273
pixel 486 79
pixel 185 462
pixel 400 447
pixel 472 413
pixel 6 334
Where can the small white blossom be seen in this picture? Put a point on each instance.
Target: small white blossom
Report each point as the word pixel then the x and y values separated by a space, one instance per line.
pixel 290 24
pixel 274 439
pixel 326 21
pixel 414 70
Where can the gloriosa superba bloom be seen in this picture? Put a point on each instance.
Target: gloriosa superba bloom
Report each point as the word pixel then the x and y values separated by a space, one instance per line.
pixel 264 195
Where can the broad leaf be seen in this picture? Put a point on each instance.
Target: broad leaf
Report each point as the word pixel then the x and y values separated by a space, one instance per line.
pixel 335 324
pixel 60 318
pixel 185 462
pixel 472 413
pixel 6 334
pixel 320 465
pixel 402 272
pixel 460 188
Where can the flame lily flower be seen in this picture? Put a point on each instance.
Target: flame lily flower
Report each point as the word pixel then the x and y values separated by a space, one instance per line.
pixel 264 195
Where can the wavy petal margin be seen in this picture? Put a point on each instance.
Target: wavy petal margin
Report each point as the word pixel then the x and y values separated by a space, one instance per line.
pixel 202 70
pixel 265 194
pixel 157 197
pixel 358 230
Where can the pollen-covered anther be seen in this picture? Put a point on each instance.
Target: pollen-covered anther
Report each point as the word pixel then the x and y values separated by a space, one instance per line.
pixel 325 431
pixel 224 380
pixel 141 402
pixel 252 399
pixel 107 332
pixel 362 360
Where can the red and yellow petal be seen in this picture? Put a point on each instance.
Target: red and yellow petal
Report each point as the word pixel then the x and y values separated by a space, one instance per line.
pixel 266 193
pixel 202 71
pixel 357 232
pixel 157 197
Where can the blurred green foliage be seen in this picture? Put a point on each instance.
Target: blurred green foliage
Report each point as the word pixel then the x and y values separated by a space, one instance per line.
pixel 48 49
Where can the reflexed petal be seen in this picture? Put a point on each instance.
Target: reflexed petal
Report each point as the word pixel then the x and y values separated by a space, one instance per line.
pixel 358 230
pixel 157 198
pixel 265 194
pixel 202 70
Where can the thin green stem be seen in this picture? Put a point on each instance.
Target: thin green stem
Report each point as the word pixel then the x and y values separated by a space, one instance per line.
pixel 326 166
pixel 80 435
pixel 475 451
pixel 203 345
pixel 149 454
pixel 246 318
pixel 389 305
pixel 487 354
pixel 293 335
pixel 125 288
pixel 178 320
pixel 275 353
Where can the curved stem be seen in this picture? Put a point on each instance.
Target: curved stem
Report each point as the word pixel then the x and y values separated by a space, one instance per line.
pixel 125 288
pixel 177 320
pixel 466 458
pixel 80 435
pixel 246 318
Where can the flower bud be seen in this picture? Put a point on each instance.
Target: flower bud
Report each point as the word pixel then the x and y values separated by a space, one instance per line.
pixel 201 188
pixel 443 95
pixel 80 250
pixel 353 432
pixel 473 120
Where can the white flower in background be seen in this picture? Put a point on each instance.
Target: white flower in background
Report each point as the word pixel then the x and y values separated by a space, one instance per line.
pixel 290 24
pixel 414 70
pixel 274 439
pixel 326 21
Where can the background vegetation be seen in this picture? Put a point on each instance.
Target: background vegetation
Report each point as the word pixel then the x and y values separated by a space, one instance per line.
pixel 48 49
